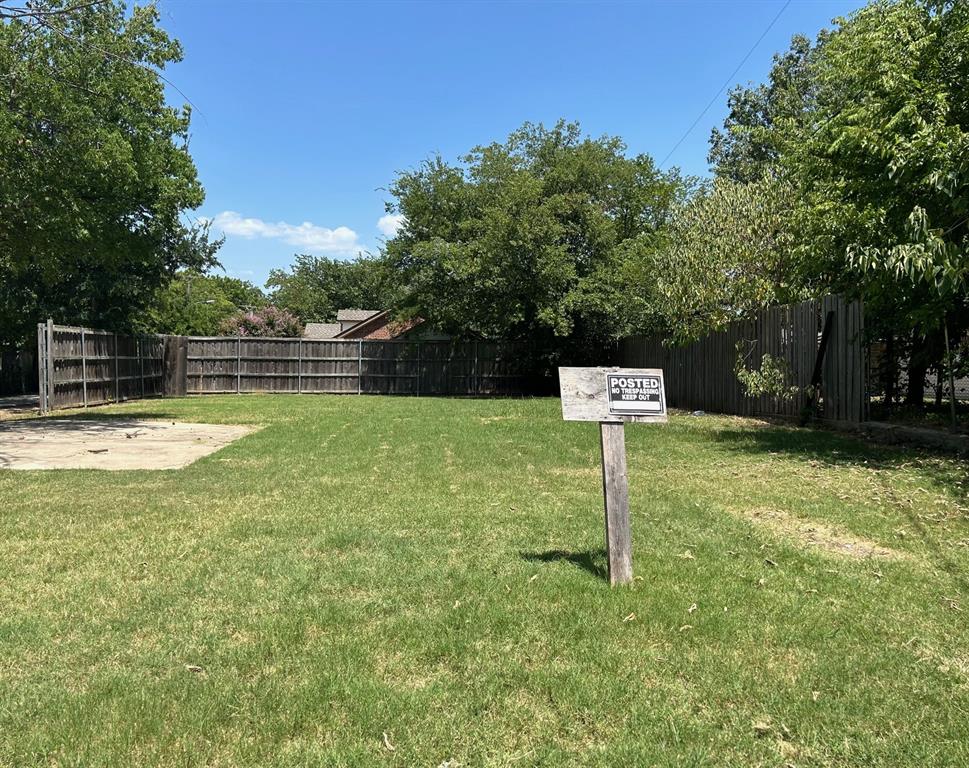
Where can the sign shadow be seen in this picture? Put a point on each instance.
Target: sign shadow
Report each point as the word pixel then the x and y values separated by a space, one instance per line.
pixel 592 560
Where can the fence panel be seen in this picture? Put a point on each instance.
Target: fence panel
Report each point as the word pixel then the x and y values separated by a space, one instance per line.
pixel 701 375
pixel 86 366
pixel 219 365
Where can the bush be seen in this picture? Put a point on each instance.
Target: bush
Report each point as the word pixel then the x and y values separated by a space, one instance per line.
pixel 266 321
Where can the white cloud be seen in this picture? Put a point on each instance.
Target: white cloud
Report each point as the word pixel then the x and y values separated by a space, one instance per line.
pixel 391 223
pixel 307 236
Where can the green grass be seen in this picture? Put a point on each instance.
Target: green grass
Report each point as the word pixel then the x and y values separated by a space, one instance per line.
pixel 432 570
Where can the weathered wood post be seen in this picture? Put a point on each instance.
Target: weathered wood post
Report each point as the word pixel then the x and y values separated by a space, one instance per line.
pixel 84 366
pixel 42 367
pixel 175 373
pixel 611 397
pixel 615 492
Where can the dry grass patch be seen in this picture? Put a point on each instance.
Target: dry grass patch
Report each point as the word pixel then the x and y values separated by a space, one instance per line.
pixel 817 535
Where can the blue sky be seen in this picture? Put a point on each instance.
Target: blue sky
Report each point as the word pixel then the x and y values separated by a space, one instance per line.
pixel 304 111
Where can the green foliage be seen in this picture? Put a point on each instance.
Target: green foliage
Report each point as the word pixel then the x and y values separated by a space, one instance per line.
pixel 884 160
pixel 529 238
pixel 771 377
pixel 748 146
pixel 95 171
pixel 314 288
pixel 726 254
pixel 196 304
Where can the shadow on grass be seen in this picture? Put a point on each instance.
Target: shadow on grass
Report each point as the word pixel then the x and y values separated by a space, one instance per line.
pixel 591 560
pixel 950 476
pixel 843 450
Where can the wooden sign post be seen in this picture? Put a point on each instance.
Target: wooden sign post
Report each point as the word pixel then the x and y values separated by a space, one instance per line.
pixel 613 396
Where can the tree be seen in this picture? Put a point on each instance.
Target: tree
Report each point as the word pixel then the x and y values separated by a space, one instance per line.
pixel 267 321
pixel 883 170
pixel 197 304
pixel 748 146
pixel 95 171
pixel 526 239
pixel 726 254
pixel 314 288
pixel 869 126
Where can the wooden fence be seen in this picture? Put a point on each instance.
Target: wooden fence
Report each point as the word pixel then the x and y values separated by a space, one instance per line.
pixel 85 366
pixel 702 375
pixel 219 364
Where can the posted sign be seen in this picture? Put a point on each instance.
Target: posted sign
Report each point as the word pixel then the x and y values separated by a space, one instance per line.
pixel 631 393
pixel 613 396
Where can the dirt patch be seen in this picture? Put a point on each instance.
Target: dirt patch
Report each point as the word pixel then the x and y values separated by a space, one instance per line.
pixel 817 535
pixel 110 443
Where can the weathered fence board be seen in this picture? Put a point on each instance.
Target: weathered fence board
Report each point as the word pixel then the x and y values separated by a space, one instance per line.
pixel 701 375
pixel 219 364
pixel 86 366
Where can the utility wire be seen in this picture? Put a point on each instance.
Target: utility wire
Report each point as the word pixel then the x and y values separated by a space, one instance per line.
pixel 727 82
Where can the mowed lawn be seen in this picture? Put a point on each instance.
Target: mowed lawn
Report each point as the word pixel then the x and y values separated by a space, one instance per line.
pixel 420 582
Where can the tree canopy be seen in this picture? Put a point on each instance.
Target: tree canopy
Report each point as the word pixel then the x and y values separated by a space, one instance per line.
pixel 95 170
pixel 315 287
pixel 197 304
pixel 528 238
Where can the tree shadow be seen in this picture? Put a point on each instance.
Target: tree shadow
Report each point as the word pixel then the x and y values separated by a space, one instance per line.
pixel 591 560
pixel 845 450
pixel 942 470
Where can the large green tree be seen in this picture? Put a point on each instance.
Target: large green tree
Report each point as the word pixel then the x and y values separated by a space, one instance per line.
pixel 197 304
pixel 727 253
pixel 95 171
pixel 870 126
pixel 883 169
pixel 529 238
pixel 315 287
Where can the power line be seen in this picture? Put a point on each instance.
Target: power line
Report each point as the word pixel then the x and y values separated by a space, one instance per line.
pixel 727 82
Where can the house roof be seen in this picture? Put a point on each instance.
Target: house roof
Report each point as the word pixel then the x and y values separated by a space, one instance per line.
pixel 380 326
pixel 355 315
pixel 321 330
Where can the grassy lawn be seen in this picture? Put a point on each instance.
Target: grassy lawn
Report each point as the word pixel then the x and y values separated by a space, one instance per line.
pixel 418 582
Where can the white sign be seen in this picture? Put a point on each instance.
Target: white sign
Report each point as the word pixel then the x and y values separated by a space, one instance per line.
pixel 636 394
pixel 612 395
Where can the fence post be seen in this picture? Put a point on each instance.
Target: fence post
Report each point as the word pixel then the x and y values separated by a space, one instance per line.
pixel 42 368
pixel 141 364
pixel 299 366
pixel 51 392
pixel 238 365
pixel 359 366
pixel 475 383
pixel 117 386
pixel 418 369
pixel 84 366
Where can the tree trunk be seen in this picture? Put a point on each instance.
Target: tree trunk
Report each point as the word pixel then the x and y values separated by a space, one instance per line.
pixel 916 383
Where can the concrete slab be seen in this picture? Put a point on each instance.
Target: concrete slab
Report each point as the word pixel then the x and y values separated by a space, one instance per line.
pixel 106 443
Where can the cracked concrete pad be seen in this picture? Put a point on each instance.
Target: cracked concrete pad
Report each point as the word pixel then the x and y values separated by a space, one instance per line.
pixel 110 443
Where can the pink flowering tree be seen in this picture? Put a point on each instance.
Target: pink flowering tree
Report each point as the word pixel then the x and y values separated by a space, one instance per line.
pixel 265 321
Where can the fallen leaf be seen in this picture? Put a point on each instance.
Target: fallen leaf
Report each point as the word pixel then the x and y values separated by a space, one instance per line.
pixel 630 617
pixel 387 743
pixel 692 608
pixel 688 555
pixel 685 627
pixel 195 668
pixel 762 727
